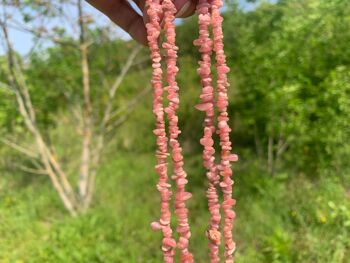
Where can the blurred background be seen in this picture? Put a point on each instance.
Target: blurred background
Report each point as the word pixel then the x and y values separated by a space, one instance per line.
pixel 77 150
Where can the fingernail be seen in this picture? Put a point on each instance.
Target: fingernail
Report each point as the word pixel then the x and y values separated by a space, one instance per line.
pixel 184 9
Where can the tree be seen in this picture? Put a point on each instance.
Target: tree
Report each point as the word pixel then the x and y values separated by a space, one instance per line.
pixel 93 130
pixel 282 55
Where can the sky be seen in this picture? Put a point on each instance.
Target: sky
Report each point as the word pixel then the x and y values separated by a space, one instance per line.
pixel 23 41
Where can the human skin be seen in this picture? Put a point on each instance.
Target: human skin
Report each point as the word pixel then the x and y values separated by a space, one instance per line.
pixel 122 14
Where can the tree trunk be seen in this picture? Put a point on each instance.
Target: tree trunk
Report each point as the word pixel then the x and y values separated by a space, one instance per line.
pixel 17 81
pixel 270 157
pixel 87 111
pixel 90 149
pixel 257 141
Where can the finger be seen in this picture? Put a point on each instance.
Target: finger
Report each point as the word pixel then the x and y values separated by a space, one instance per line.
pixel 185 8
pixel 140 4
pixel 121 13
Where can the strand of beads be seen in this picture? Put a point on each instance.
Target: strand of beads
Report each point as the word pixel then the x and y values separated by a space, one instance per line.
pixel 224 131
pixel 209 14
pixel 207 97
pixel 183 228
pixel 153 32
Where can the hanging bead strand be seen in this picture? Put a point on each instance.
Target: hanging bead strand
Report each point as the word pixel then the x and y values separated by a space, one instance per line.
pixel 153 31
pixel 181 196
pixel 207 97
pixel 224 131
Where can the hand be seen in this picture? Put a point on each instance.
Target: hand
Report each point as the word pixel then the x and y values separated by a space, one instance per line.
pixel 121 13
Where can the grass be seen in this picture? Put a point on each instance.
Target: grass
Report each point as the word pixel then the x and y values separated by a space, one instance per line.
pixel 285 218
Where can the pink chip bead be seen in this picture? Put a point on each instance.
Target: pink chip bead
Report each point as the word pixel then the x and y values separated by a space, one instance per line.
pixel 216 218
pixel 197 42
pixel 229 202
pixel 223 69
pixel 182 229
pixel 183 243
pixel 182 181
pixel 184 196
pixel 230 214
pixel 207 142
pixel 204 106
pixel 177 157
pixel 170 242
pixel 156 226
pixel 233 158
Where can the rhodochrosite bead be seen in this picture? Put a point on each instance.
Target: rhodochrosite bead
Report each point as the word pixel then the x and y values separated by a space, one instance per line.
pixel 224 130
pixel 179 175
pixel 167 11
pixel 161 15
pixel 153 32
pixel 207 105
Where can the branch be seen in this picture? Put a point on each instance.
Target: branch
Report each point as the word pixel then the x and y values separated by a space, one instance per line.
pixel 141 61
pixel 20 149
pixel 96 154
pixel 87 108
pixel 282 148
pixel 22 28
pixel 132 103
pixel 115 86
pixel 15 75
pixel 270 159
pixel 129 108
pixel 31 170
pixel 58 178
pixel 76 111
pixel 118 122
pixel 6 87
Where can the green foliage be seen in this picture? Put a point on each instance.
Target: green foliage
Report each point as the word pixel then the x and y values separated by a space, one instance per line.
pixel 9 119
pixel 279 219
pixel 290 82
pixel 289 62
pixel 283 58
